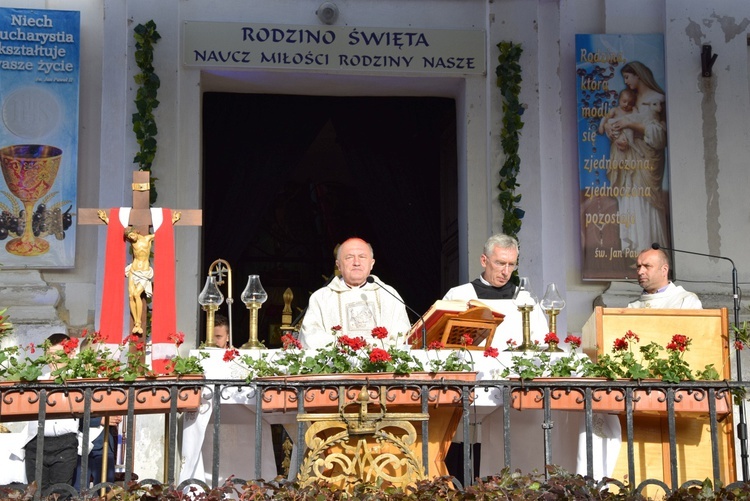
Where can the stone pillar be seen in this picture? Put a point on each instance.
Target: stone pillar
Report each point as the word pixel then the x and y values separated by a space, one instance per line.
pixel 31 306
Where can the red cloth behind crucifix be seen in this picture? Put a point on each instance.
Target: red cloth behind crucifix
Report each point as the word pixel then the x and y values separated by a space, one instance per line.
pixel 164 317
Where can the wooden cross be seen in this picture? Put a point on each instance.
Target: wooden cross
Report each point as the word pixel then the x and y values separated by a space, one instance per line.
pixel 140 215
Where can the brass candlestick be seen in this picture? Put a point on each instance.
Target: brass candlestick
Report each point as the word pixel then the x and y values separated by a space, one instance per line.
pixel 253 296
pixel 221 270
pixel 524 299
pixel 526 326
pixel 552 315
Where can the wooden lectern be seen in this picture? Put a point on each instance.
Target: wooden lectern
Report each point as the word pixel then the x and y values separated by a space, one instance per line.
pixel 448 320
pixel 709 332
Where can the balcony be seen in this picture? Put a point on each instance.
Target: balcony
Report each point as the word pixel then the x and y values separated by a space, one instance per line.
pixel 538 419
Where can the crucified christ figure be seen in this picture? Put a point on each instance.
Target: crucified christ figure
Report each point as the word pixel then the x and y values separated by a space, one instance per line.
pixel 139 274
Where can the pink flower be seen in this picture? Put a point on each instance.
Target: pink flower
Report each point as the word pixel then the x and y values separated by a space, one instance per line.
pixel 380 333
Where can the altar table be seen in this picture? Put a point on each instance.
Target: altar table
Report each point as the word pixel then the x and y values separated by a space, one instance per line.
pixel 527 446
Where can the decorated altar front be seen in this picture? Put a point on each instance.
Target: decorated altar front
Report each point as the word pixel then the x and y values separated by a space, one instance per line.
pixel 486 425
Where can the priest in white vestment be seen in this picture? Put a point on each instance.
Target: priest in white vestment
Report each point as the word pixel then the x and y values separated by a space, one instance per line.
pixel 356 301
pixel 652 266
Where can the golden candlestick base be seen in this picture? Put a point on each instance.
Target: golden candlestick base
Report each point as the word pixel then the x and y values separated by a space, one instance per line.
pixel 552 315
pixel 526 345
pixel 210 310
pixel 253 343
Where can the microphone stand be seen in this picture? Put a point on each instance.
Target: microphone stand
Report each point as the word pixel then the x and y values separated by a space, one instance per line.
pixel 371 280
pixel 742 427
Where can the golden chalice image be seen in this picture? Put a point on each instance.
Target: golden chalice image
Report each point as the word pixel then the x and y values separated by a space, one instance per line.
pixel 29 171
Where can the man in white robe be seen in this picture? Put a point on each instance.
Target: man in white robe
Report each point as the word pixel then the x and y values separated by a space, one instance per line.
pixel 494 288
pixel 652 266
pixel 353 302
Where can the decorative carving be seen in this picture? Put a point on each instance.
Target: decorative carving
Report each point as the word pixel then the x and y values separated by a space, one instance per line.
pixel 350 447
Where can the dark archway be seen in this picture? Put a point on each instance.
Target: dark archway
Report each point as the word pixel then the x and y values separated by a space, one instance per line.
pixel 286 178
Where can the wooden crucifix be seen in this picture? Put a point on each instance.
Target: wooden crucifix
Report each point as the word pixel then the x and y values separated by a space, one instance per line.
pixel 135 227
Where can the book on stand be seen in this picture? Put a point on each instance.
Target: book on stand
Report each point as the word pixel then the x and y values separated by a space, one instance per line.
pixel 448 320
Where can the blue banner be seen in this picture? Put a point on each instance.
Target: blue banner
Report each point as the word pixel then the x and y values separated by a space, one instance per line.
pixel 39 87
pixel 622 151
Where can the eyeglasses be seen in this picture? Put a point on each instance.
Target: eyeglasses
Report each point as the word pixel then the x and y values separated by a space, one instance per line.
pixel 507 266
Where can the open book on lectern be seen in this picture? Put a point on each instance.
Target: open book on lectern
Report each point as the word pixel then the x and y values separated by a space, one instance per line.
pixel 448 320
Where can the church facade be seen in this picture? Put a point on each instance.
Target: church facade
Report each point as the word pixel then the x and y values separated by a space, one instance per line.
pixel 708 136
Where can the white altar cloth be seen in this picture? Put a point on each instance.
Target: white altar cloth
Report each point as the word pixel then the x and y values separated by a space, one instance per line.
pixel 527 440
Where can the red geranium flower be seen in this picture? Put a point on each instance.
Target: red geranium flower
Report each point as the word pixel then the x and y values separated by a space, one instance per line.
pixel 336 328
pixel 551 337
pixel 632 335
pixel 177 338
pixel 511 342
pixel 491 352
pixel 289 341
pixel 355 343
pixel 379 355
pixel 679 342
pixel 739 345
pixel 70 344
pixel 467 340
pixel 621 344
pixel 230 355
pixel 574 341
pixel 380 333
pixel 435 345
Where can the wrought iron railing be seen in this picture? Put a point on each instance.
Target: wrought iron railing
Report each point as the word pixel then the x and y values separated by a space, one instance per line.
pixel 710 400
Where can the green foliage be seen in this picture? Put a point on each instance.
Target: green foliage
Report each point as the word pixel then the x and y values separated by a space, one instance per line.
pixel 341 356
pixel 509 79
pixel 144 122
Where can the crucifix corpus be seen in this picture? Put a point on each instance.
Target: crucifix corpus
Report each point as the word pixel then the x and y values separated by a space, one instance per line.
pixel 134 225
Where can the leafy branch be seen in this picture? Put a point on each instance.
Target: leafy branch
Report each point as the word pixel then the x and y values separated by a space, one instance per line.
pixel 144 122
pixel 509 81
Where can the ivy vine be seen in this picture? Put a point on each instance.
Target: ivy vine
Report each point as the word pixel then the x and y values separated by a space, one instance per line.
pixel 509 81
pixel 144 122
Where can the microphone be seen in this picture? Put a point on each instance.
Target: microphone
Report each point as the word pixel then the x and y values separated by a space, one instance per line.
pixel 656 246
pixel 371 280
pixel 742 426
pixel 735 287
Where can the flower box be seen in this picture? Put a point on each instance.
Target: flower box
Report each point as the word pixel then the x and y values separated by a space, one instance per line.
pixel 20 401
pixel 282 395
pixel 612 400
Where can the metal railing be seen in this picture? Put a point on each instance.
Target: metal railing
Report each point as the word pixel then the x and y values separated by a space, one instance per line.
pixel 670 402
